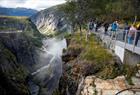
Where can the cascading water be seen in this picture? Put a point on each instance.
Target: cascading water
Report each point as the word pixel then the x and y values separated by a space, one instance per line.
pixel 48 71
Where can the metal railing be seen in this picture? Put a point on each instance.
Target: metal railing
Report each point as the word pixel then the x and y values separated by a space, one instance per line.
pixel 123 37
pixel 120 36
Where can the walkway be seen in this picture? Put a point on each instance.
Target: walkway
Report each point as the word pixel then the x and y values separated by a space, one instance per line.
pixel 111 42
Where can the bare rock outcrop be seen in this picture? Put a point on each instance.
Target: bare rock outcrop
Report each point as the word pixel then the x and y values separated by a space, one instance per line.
pixel 95 86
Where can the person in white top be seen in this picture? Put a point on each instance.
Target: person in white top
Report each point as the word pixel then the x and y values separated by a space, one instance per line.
pixel 131 34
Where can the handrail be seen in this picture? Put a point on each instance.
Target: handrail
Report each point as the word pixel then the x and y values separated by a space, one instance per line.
pixel 134 41
pixel 126 35
pixel 119 37
pixel 131 88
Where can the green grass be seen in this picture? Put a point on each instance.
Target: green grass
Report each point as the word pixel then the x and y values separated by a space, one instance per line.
pixel 101 62
pixel 91 49
pixel 129 71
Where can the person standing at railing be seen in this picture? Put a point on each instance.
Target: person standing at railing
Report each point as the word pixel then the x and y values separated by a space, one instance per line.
pixel 98 24
pixel 114 28
pixel 106 25
pixel 126 29
pixel 138 34
pixel 131 34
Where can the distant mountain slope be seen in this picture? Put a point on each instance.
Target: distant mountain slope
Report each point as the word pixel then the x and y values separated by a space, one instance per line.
pixel 51 21
pixel 16 23
pixel 17 11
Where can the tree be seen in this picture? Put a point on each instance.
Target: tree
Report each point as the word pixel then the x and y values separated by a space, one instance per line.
pixel 79 11
pixel 69 8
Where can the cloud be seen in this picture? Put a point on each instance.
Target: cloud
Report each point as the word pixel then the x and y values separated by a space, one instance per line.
pixel 34 4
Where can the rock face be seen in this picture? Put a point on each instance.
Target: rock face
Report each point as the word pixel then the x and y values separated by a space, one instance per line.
pixel 29 63
pixel 13 76
pixel 96 86
pixel 51 21
pixel 17 53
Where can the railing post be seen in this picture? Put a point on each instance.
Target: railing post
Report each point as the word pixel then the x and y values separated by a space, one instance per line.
pixel 116 33
pixel 134 41
pixel 110 40
pixel 126 35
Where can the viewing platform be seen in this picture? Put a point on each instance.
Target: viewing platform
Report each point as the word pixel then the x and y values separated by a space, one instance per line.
pixel 120 45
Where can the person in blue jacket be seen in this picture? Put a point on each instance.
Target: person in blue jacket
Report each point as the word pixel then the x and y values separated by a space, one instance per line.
pixel 114 28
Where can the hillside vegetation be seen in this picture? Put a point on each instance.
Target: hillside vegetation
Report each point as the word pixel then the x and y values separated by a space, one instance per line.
pixel 79 12
pixel 103 63
pixel 103 9
pixel 86 58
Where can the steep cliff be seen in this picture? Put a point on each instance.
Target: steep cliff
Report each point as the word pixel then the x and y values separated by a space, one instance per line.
pixel 13 76
pixel 30 62
pixel 85 62
pixel 17 53
pixel 51 21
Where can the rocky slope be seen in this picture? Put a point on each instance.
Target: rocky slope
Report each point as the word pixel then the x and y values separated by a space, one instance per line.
pixel 51 21
pixel 13 76
pixel 17 53
pixel 96 86
pixel 89 69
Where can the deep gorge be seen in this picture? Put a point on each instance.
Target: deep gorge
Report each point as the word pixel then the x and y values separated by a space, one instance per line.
pixel 47 59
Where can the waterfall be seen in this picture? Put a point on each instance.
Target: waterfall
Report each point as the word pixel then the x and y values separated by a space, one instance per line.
pixel 49 68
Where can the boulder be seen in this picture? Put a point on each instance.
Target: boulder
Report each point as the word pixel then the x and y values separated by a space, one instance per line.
pixel 95 86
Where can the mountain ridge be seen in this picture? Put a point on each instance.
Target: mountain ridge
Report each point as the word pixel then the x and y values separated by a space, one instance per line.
pixel 19 11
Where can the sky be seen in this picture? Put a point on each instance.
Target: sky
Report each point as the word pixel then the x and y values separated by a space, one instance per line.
pixel 33 4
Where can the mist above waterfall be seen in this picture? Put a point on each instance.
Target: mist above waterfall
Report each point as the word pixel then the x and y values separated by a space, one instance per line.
pixel 55 46
pixel 48 71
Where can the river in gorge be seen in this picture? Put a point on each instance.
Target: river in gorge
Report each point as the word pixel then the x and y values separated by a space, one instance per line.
pixel 47 73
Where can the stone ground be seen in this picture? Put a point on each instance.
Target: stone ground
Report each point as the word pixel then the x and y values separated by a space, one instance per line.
pixel 95 86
